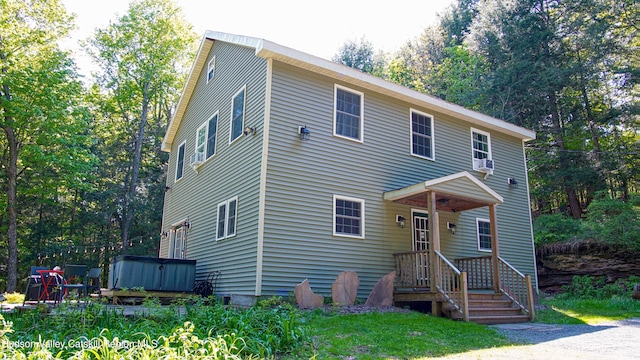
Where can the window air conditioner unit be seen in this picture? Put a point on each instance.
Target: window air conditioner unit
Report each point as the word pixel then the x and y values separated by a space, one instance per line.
pixel 486 165
pixel 196 159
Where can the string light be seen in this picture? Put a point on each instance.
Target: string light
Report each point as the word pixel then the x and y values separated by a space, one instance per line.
pixel 95 249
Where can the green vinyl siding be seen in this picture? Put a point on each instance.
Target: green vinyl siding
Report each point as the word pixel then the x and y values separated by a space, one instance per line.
pixel 303 177
pixel 233 171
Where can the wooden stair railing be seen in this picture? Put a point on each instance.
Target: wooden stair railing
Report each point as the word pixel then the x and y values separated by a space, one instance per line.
pixel 479 271
pixel 517 287
pixel 452 284
pixel 412 269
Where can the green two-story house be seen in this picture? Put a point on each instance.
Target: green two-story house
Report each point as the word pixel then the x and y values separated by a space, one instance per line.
pixel 284 167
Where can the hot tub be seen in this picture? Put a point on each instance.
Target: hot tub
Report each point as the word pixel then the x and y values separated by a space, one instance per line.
pixel 152 274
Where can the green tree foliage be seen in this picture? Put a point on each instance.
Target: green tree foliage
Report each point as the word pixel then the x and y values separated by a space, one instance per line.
pixel 555 228
pixel 361 56
pixel 46 159
pixel 567 70
pixel 614 221
pixel 143 59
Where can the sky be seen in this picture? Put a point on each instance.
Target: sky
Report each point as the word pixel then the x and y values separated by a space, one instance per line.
pixel 316 27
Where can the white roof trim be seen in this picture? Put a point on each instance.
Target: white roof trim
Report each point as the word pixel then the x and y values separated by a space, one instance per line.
pixel 267 49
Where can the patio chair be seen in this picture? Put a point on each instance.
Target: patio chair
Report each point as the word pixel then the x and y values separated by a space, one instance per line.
pixel 34 285
pixel 93 280
pixel 75 278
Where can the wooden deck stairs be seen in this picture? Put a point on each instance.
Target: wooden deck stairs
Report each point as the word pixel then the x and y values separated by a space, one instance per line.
pixel 488 308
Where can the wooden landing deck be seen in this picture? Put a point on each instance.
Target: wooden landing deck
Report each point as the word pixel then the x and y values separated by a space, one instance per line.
pixel 418 294
pixel 133 297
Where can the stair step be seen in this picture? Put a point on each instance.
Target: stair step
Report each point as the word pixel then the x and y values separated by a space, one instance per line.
pixel 485 296
pixel 494 311
pixel 490 303
pixel 499 319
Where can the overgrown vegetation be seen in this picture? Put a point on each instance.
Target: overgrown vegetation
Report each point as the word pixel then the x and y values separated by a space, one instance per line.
pixel 591 300
pixel 607 220
pixel 195 329
pixel 203 329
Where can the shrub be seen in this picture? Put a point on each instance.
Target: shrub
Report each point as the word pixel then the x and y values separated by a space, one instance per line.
pixel 589 287
pixel 555 228
pixel 614 221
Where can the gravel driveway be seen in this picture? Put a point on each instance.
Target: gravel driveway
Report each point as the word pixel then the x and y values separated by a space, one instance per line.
pixel 610 340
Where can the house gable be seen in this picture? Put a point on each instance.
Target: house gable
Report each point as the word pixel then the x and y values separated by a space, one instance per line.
pixel 339 72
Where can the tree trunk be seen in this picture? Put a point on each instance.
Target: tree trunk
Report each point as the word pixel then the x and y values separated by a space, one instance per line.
pixel 11 168
pixel 12 214
pixel 572 197
pixel 127 218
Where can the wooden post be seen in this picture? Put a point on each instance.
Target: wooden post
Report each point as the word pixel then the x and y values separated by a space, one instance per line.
pixel 465 296
pixel 495 247
pixel 434 240
pixel 532 307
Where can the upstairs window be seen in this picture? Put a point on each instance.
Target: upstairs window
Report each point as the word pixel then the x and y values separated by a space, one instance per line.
pixel 481 147
pixel 348 111
pixel 422 135
pixel 201 139
pixel 227 218
pixel 211 69
pixel 348 216
pixel 212 130
pixel 484 235
pixel 237 115
pixel 180 162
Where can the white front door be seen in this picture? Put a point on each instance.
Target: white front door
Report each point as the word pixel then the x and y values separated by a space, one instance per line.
pixel 420 231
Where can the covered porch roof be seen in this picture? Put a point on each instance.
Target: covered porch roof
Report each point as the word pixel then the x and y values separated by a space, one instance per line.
pixel 456 192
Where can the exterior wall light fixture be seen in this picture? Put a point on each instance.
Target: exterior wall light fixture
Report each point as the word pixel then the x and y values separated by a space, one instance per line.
pixel 401 221
pixel 249 130
pixel 451 227
pixel 304 132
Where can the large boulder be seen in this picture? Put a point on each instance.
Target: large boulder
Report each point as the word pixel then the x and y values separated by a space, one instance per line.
pixel 345 289
pixel 382 293
pixel 305 298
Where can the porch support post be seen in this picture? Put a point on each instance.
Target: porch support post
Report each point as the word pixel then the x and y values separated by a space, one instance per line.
pixel 434 244
pixel 495 247
pixel 434 223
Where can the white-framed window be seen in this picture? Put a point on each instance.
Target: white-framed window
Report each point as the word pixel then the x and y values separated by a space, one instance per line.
pixel 422 143
pixel 180 161
pixel 348 216
pixel 237 114
pixel 227 218
pixel 212 131
pixel 480 147
pixel 201 138
pixel 211 69
pixel 484 234
pixel 348 113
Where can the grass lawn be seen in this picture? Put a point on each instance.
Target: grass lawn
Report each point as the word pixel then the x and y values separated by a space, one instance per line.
pixel 587 311
pixel 403 335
